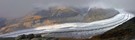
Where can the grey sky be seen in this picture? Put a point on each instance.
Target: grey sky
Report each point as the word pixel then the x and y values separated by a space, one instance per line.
pixel 18 8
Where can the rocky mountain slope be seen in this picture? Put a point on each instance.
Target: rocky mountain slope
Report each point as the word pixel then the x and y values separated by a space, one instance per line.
pixel 56 15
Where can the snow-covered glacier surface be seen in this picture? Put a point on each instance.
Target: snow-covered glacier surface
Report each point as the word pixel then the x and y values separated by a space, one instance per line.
pixel 77 30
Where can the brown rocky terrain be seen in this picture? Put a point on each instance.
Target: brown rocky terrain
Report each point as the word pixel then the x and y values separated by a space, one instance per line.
pixel 40 18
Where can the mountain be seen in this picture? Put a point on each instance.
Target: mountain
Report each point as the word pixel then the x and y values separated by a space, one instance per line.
pixel 53 15
pixel 95 14
pixel 57 15
pixel 57 12
pixel 2 22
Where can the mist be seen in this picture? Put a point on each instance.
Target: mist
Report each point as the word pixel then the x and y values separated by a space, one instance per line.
pixel 19 8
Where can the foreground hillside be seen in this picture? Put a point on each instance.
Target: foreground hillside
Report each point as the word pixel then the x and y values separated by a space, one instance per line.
pixel 125 31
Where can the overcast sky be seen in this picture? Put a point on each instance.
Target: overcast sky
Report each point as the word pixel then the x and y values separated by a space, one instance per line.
pixel 18 8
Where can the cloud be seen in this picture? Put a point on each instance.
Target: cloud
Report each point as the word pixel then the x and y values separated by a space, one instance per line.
pixel 18 8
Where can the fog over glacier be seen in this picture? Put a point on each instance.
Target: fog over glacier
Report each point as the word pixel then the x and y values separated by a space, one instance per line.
pixel 18 8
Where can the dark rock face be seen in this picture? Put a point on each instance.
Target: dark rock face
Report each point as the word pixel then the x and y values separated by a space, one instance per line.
pixel 44 13
pixel 95 14
pixel 63 12
pixel 57 12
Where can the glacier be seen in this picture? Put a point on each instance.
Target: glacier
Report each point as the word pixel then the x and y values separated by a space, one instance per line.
pixel 77 30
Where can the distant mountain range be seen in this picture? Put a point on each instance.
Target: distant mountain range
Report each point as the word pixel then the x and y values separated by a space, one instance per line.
pixel 55 15
pixel 2 22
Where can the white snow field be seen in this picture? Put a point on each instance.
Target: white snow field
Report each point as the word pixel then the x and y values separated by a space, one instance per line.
pixel 77 30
